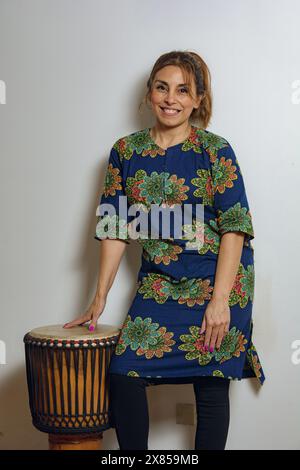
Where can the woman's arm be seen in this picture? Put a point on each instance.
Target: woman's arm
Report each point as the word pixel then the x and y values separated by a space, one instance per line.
pixel 234 224
pixel 111 253
pixel 229 257
pixel 216 320
pixel 111 231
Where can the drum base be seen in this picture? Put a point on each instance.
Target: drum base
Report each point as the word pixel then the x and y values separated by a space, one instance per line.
pixel 78 442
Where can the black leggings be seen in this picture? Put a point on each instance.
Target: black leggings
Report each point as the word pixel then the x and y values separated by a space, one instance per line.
pixel 128 410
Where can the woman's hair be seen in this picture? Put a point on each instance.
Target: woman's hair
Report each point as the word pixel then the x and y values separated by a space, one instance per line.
pixel 193 68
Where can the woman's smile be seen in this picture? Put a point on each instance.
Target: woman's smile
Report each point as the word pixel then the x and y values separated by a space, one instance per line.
pixel 170 111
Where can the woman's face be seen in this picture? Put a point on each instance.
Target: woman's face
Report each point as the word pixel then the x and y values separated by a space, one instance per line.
pixel 169 91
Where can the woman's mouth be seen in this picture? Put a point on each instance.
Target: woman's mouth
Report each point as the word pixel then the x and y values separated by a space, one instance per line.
pixel 170 111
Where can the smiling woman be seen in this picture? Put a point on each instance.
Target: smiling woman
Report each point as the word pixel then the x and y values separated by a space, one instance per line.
pixel 191 317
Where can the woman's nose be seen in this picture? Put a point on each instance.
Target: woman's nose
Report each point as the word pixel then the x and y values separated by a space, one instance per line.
pixel 170 100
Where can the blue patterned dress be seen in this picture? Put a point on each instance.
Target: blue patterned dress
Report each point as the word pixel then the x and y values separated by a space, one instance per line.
pixel 160 336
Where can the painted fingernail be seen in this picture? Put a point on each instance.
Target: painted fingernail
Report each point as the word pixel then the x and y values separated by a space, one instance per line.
pixel 91 327
pixel 205 348
pixel 211 349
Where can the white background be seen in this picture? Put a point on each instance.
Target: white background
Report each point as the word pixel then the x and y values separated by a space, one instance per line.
pixel 75 73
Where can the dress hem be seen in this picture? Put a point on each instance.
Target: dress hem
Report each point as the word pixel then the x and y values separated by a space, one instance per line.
pixel 246 375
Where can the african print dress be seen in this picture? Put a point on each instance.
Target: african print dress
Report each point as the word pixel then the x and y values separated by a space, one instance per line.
pixel 160 336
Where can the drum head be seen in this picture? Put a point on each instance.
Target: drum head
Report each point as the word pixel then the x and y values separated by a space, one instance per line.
pixel 76 333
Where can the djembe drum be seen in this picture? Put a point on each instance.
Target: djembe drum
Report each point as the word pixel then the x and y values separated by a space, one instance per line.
pixel 67 378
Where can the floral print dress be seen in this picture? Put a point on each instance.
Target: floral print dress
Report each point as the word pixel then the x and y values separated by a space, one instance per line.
pixel 160 336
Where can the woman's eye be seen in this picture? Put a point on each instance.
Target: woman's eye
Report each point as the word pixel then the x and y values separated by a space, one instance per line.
pixel 184 90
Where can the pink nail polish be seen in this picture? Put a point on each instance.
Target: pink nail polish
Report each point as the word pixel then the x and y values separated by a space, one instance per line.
pixel 91 327
pixel 211 349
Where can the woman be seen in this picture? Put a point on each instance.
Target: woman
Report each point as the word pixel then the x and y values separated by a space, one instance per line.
pixel 191 318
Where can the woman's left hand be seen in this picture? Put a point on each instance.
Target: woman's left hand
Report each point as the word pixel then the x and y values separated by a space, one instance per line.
pixel 215 322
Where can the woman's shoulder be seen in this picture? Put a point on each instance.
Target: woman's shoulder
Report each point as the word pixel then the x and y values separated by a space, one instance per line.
pixel 132 136
pixel 213 144
pixel 208 136
pixel 126 145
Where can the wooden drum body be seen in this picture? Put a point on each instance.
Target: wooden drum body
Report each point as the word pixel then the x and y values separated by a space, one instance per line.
pixel 67 378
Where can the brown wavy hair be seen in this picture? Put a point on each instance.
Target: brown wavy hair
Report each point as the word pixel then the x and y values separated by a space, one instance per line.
pixel 193 68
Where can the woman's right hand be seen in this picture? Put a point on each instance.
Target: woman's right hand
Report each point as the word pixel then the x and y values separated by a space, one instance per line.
pixel 92 314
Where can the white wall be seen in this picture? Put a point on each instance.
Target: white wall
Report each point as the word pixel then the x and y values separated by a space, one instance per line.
pixel 75 72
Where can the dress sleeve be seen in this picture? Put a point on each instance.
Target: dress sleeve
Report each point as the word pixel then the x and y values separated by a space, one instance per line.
pixel 112 209
pixel 230 199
